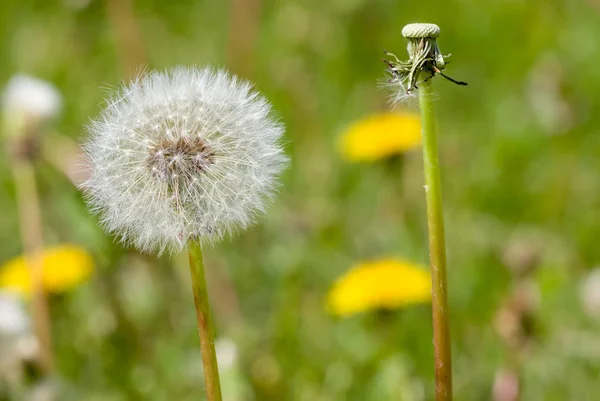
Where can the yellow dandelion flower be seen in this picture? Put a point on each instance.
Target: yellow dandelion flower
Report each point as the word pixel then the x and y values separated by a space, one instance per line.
pixel 381 135
pixel 387 283
pixel 65 266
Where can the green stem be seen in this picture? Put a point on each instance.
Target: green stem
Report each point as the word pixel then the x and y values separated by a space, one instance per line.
pixel 205 324
pixel 437 246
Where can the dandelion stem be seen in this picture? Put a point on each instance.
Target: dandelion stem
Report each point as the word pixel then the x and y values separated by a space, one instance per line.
pixel 129 41
pixel 31 236
pixel 244 27
pixel 437 245
pixel 205 324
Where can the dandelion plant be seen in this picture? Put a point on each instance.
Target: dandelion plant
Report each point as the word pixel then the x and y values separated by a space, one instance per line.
pixel 425 62
pixel 28 104
pixel 184 158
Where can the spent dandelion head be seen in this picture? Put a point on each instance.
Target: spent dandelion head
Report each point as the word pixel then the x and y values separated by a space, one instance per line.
pixel 27 103
pixel 183 154
pixel 425 62
pixel 424 57
pixel 31 98
pixel 379 136
pixel 379 284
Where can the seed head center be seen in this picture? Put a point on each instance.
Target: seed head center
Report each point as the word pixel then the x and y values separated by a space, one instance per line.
pixel 179 159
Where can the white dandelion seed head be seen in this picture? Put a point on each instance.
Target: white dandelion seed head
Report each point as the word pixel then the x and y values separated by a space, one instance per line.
pixel 14 320
pixel 180 154
pixel 31 98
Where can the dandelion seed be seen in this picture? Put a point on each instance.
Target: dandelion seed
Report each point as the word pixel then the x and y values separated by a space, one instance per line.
pixel 210 153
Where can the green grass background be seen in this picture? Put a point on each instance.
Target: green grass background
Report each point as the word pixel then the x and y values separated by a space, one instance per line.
pixel 520 153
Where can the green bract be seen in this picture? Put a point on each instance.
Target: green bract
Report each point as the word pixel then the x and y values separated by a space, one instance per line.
pixel 425 56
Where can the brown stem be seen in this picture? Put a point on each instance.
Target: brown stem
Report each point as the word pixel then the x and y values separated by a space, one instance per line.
pixel 128 37
pixel 243 30
pixel 32 239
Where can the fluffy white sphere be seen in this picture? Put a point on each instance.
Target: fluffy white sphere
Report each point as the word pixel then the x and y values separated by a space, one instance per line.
pixel 31 97
pixel 14 320
pixel 183 154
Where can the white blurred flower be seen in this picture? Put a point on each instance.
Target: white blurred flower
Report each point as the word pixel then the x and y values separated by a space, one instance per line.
pixel 181 154
pixel 227 353
pixel 589 293
pixel 30 98
pixel 17 343
pixel 14 320
pixel 233 382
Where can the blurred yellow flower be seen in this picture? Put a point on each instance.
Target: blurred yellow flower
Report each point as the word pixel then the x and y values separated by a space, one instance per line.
pixel 381 135
pixel 387 283
pixel 65 266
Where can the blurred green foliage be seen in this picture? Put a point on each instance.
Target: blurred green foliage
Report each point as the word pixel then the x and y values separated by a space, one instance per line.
pixel 519 148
